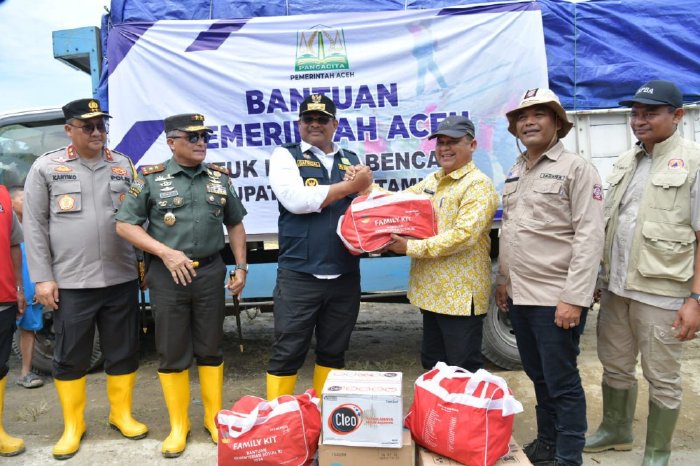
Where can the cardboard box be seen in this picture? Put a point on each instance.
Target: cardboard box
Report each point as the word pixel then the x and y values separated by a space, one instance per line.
pixel 340 455
pixel 516 456
pixel 363 409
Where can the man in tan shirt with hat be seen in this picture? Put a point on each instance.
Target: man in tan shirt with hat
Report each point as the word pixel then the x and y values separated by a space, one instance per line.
pixel 550 248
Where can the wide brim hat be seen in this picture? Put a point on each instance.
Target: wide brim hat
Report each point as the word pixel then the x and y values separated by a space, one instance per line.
pixel 544 97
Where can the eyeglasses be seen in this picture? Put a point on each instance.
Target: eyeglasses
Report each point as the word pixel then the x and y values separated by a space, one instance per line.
pixel 322 120
pixel 88 128
pixel 193 138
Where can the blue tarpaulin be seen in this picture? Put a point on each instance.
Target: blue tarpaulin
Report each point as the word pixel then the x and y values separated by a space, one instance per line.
pixel 598 51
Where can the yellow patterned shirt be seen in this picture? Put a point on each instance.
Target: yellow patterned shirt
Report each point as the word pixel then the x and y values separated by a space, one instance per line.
pixel 453 269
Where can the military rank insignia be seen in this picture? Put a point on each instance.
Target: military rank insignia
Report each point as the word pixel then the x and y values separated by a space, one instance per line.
pixel 149 169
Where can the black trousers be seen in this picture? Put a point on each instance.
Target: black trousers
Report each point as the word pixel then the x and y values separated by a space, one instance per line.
pixel 115 311
pixel 305 305
pixel 7 330
pixel 549 357
pixel 189 319
pixel 454 340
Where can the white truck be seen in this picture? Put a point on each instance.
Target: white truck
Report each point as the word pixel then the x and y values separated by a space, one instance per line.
pixel 599 134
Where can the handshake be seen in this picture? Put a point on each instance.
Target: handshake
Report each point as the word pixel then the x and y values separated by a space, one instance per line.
pixel 361 177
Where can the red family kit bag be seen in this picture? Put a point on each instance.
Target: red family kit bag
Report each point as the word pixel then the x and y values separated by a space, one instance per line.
pixel 463 415
pixel 284 431
pixel 370 220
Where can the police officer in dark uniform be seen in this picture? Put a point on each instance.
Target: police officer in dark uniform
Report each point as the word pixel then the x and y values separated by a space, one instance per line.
pixel 318 280
pixel 83 271
pixel 185 202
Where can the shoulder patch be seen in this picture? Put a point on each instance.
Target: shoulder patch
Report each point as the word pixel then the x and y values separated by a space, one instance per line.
pixel 150 169
pixel 136 187
pixel 53 152
pixel 218 168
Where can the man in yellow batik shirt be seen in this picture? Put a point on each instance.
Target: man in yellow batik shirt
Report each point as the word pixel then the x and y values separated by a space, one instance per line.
pixel 450 278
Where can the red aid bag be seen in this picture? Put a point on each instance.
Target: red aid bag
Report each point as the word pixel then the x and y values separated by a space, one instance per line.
pixel 370 220
pixel 284 431
pixel 463 415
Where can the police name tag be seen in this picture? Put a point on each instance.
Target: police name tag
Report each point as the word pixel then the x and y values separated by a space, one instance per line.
pixel 167 194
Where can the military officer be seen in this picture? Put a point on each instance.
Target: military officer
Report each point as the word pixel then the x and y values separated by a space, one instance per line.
pixel 83 271
pixel 185 202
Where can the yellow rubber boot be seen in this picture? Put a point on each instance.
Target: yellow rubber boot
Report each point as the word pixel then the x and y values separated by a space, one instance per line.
pixel 119 393
pixel 9 445
pixel 72 395
pixel 176 391
pixel 280 385
pixel 211 382
pixel 320 376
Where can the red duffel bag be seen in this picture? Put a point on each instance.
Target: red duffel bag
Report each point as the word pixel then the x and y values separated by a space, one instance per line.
pixel 370 220
pixel 462 415
pixel 284 431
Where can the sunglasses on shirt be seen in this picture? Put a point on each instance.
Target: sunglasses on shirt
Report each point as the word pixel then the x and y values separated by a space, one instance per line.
pixel 193 138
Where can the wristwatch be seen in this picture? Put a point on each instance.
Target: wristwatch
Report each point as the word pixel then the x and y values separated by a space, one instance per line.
pixel 242 267
pixel 695 296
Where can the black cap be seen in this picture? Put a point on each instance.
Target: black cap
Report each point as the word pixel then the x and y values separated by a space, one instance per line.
pixel 187 122
pixel 656 92
pixel 454 126
pixel 317 103
pixel 83 109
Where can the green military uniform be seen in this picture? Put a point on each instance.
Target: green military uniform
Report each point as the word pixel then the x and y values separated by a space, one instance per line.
pixel 185 208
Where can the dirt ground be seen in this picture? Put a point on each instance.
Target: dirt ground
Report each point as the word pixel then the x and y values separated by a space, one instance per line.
pixel 387 337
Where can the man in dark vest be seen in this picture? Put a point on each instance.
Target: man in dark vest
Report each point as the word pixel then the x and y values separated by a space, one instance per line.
pixel 318 280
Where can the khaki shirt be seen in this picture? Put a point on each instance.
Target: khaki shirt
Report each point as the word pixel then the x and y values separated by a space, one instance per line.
pixel 185 208
pixel 552 231
pixel 69 226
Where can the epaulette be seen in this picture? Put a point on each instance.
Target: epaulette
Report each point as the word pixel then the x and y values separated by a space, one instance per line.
pixel 52 152
pixel 218 168
pixel 150 169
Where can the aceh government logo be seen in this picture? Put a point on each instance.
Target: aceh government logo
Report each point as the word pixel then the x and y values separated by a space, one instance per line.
pixel 321 48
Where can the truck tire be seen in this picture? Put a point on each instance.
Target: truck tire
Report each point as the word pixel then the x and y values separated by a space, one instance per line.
pixel 498 344
pixel 42 356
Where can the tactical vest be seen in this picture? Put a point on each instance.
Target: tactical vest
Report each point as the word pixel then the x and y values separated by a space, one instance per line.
pixel 308 242
pixel 8 285
pixel 663 244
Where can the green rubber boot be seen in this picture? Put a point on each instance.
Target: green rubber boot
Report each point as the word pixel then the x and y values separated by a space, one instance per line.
pixel 615 430
pixel 660 426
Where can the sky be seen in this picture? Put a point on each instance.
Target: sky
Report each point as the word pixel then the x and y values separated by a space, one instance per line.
pixel 29 75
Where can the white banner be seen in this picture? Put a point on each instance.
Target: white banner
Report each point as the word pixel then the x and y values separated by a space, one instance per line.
pixel 392 75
